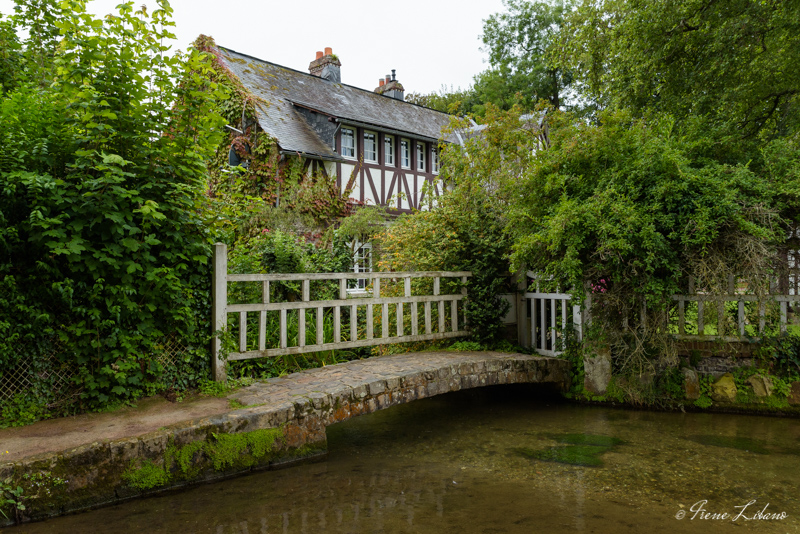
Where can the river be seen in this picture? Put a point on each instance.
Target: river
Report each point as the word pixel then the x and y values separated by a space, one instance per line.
pixel 505 459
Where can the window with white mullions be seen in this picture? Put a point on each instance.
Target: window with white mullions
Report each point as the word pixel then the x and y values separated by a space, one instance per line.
pixel 388 143
pixel 405 153
pixel 370 147
pixel 348 143
pixel 362 263
pixel 420 156
pixel 435 160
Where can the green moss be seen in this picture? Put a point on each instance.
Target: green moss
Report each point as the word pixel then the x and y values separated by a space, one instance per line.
pixel 235 404
pixel 775 402
pixel 585 455
pixel 703 402
pixel 580 449
pixel 744 444
pixel 587 439
pixel 242 449
pixel 184 458
pixel 147 476
pixel 226 450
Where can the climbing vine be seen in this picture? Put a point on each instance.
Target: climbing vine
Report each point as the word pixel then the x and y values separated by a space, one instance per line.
pixel 262 178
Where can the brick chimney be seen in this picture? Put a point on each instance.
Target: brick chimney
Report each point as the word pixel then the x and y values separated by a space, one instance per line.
pixel 391 87
pixel 326 66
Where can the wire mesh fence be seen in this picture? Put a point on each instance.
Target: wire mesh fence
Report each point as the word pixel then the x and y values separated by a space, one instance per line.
pixel 51 374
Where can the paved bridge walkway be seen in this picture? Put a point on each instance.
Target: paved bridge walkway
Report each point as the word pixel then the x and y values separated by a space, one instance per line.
pixel 320 397
pixel 105 458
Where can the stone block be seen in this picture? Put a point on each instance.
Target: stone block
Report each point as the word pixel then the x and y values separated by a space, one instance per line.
pixel 794 393
pixel 392 384
pixel 691 384
pixel 433 389
pixel 340 414
pixel 493 366
pixel 319 400
pixel 360 392
pixel 762 386
pixel 383 401
pixel 454 383
pixel 465 369
pixel 724 389
pixel 597 370
pixel 377 387
pixel 413 379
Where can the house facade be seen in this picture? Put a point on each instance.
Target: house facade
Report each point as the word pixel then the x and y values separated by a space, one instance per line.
pixel 384 149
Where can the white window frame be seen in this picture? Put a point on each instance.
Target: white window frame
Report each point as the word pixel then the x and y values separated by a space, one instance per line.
pixel 362 263
pixel 435 160
pixel 420 156
pixel 348 149
pixel 373 157
pixel 405 153
pixel 388 147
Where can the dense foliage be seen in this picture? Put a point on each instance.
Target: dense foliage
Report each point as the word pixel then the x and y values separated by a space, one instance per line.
pixel 731 64
pixel 465 231
pixel 687 166
pixel 105 254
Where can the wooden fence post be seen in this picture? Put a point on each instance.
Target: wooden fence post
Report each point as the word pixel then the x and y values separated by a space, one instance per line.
pixel 521 278
pixel 219 305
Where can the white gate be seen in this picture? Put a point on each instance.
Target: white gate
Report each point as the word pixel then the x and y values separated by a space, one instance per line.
pixel 546 316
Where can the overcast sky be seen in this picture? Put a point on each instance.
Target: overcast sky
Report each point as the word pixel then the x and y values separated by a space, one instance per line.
pixel 430 42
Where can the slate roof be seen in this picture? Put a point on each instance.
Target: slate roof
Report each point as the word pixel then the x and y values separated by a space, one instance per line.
pixel 281 88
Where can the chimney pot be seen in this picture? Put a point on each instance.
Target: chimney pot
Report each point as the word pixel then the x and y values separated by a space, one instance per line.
pixel 381 82
pixel 393 78
pixel 326 66
pixel 388 78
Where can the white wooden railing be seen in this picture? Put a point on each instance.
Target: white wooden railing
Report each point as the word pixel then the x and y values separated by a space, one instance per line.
pixel 719 308
pixel 371 301
pixel 544 311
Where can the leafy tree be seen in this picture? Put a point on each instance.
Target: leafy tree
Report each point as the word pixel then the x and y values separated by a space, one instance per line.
pixel 10 54
pixel 520 44
pixel 38 19
pixel 103 241
pixel 458 101
pixel 732 63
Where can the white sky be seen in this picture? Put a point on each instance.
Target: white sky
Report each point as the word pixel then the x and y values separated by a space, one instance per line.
pixel 430 42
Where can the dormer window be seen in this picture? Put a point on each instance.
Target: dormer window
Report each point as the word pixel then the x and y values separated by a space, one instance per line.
pixel 370 147
pixel 348 143
pixel 388 143
pixel 421 157
pixel 405 153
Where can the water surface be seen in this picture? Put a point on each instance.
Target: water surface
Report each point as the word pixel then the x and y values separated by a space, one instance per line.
pixel 491 461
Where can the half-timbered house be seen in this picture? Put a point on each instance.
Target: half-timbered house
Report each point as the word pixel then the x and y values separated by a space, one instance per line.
pixel 386 149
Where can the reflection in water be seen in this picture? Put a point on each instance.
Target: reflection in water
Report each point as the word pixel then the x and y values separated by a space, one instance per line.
pixel 452 464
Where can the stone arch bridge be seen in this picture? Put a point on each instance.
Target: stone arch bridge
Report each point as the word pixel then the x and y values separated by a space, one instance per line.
pixel 306 403
pixel 273 423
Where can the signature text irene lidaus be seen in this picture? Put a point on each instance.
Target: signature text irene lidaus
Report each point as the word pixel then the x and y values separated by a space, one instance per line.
pixel 744 512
